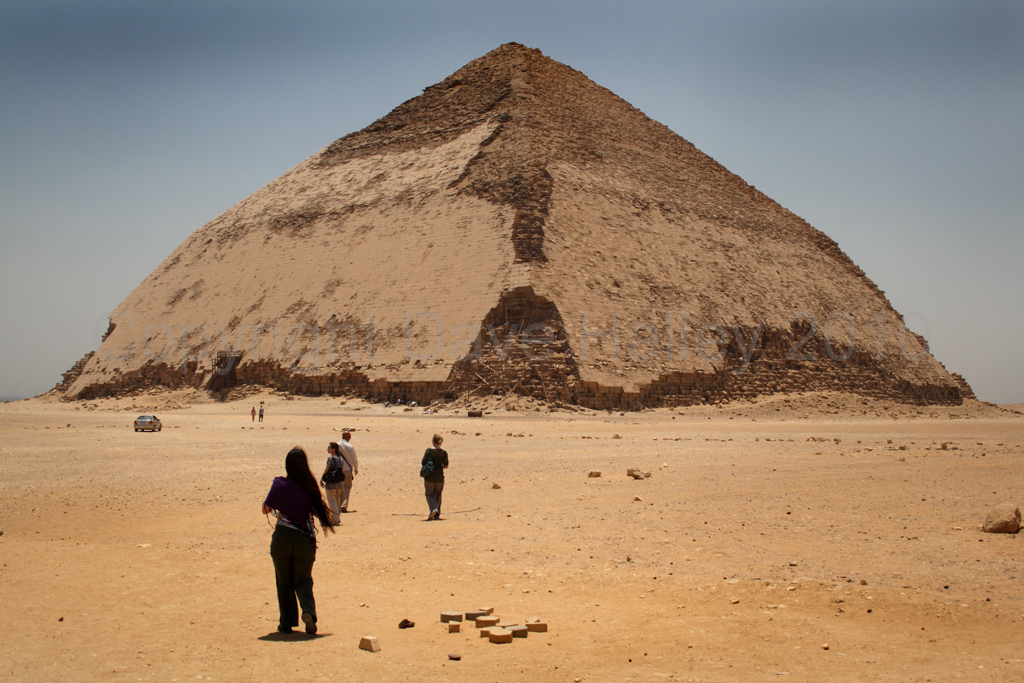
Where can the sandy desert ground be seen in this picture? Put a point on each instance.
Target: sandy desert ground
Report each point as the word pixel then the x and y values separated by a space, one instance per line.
pixel 809 538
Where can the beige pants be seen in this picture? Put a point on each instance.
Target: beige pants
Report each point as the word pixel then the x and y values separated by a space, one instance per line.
pixel 334 498
pixel 346 491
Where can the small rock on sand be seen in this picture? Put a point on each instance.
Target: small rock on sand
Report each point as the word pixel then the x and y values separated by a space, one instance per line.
pixel 1002 519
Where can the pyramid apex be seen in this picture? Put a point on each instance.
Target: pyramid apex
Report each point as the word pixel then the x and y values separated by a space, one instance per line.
pixel 507 55
pixel 513 47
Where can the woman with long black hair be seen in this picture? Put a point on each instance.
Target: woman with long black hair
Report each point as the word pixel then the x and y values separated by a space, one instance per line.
pixel 296 501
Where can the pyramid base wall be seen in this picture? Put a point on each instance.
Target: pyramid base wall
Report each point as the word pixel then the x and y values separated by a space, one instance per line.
pixel 758 380
pixel 688 389
pixel 522 349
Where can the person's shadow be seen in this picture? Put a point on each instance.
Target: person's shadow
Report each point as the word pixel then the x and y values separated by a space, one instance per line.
pixel 295 636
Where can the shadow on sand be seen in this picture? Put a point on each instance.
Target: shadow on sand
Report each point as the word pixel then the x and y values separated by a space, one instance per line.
pixel 295 636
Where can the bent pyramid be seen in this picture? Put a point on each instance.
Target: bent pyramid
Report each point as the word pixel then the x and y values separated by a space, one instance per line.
pixel 514 229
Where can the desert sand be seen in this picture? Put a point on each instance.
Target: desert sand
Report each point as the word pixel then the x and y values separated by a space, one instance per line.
pixel 810 537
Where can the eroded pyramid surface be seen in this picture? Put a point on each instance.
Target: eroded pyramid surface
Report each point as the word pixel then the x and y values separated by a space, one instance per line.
pixel 515 228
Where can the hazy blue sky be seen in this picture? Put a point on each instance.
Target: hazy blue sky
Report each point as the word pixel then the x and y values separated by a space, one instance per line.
pixel 896 128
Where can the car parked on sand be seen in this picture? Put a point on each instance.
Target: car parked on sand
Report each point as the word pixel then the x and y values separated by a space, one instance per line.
pixel 150 422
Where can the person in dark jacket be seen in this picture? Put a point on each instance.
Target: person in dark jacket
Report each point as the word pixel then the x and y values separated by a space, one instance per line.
pixel 296 502
pixel 433 481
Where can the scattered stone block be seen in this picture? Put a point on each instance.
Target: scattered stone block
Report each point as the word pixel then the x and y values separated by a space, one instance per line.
pixel 1002 519
pixel 454 627
pixel 369 643
pixel 637 474
pixel 483 622
pixel 519 631
pixel 474 413
pixel 507 624
pixel 495 485
pixel 487 610
pixel 476 614
pixel 537 626
pixel 594 473
pixel 500 635
pixel 486 632
pixel 450 616
pixel 454 656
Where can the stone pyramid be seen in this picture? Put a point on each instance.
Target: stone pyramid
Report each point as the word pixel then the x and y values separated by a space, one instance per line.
pixel 515 228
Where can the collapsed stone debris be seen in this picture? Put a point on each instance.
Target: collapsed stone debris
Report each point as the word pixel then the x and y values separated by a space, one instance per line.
pixel 494 628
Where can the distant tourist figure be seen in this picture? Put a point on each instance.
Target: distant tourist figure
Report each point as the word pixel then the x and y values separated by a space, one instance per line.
pixel 332 487
pixel 254 413
pixel 348 453
pixel 296 502
pixel 261 413
pixel 432 467
pixel 337 491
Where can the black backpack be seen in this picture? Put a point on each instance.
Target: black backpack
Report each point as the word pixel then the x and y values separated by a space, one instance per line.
pixel 428 467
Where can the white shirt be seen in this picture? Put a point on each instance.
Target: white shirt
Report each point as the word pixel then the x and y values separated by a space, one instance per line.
pixel 349 453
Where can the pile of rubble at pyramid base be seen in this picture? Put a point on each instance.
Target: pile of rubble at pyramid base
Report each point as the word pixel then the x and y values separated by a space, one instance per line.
pixel 800 405
pixel 509 364
pixel 803 405
pixel 554 380
pixel 523 350
pixel 505 375
pixel 504 372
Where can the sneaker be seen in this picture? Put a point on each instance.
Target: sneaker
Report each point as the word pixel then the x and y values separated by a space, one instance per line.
pixel 310 621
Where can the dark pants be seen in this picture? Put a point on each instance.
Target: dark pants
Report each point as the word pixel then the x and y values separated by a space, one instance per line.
pixel 433 491
pixel 293 554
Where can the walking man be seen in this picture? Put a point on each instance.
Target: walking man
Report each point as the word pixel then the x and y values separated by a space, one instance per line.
pixel 350 465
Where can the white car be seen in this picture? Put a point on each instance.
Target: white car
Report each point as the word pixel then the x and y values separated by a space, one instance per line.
pixel 150 422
